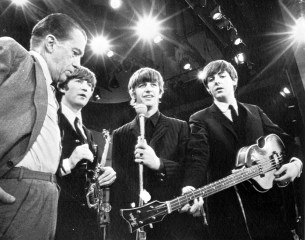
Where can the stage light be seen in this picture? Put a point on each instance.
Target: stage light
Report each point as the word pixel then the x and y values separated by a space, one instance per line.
pixel 240 58
pixel 299 29
pixel 216 13
pixel 158 39
pixel 115 4
pixel 19 2
pixel 100 45
pixel 224 23
pixel 200 75
pixel 148 28
pixel 185 64
pixel 234 37
pixel 110 54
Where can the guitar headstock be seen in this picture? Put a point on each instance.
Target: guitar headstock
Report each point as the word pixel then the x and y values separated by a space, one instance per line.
pixel 141 216
pixel 106 135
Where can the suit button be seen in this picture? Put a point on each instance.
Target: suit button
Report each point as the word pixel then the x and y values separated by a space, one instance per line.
pixel 161 179
pixel 10 164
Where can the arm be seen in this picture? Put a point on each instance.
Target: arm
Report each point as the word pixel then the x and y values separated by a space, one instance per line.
pixel 289 171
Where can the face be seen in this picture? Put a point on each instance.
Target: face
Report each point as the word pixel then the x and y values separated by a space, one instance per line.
pixel 221 86
pixel 77 94
pixel 65 56
pixel 148 93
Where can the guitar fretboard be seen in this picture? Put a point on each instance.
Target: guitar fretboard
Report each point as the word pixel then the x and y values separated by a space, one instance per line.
pixel 222 184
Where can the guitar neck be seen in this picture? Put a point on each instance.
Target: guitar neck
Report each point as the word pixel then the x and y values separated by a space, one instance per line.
pixel 212 188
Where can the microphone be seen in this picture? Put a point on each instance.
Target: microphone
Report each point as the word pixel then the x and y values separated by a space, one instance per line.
pixel 141 110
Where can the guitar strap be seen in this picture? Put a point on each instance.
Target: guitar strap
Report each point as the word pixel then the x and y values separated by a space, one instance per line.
pixel 243 211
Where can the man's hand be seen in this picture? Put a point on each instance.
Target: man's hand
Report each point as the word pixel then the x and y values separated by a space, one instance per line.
pixel 288 172
pixel 197 206
pixel 5 197
pixel 107 177
pixel 79 153
pixel 145 155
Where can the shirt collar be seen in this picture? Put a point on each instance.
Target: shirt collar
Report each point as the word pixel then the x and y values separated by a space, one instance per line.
pixel 225 106
pixel 154 118
pixel 44 66
pixel 70 115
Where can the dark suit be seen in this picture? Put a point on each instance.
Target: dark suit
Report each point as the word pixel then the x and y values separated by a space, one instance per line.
pixel 75 219
pixel 213 147
pixel 169 141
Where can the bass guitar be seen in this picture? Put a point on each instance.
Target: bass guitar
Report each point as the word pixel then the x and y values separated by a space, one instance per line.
pixel 258 162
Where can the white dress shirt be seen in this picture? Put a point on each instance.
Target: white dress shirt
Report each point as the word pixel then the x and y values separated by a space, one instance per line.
pixel 45 153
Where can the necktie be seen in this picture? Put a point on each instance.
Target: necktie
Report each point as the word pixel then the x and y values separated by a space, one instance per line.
pixel 233 114
pixel 79 130
pixel 149 128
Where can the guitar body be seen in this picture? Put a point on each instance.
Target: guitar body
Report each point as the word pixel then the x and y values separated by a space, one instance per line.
pixel 266 148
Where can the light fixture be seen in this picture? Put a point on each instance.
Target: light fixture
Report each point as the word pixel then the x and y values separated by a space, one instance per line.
pixel 240 58
pixel 19 2
pixel 185 64
pixel 110 54
pixel 148 28
pixel 234 37
pixel 224 23
pixel 216 13
pixel 158 39
pixel 200 75
pixel 115 4
pixel 100 45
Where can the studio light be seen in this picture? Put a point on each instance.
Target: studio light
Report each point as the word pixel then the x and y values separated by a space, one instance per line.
pixel 224 23
pixel 185 64
pixel 240 58
pixel 200 75
pixel 234 37
pixel 19 2
pixel 115 4
pixel 148 28
pixel 110 54
pixel 216 13
pixel 299 30
pixel 158 39
pixel 285 92
pixel 100 45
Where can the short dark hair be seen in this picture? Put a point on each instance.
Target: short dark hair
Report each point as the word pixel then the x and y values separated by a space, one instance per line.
pixel 145 74
pixel 81 73
pixel 58 24
pixel 215 67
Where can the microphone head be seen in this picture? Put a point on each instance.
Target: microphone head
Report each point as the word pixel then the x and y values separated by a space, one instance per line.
pixel 140 108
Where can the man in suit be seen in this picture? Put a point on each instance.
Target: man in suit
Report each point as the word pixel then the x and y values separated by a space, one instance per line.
pixel 217 133
pixel 29 133
pixel 75 221
pixel 162 155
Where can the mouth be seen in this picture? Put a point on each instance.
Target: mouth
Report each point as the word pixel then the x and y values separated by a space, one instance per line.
pixel 82 95
pixel 218 89
pixel 148 96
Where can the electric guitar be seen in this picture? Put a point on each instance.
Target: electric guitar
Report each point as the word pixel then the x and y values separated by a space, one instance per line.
pixel 258 162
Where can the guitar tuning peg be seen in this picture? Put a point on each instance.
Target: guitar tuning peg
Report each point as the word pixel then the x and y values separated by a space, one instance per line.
pixel 132 205
pixel 151 226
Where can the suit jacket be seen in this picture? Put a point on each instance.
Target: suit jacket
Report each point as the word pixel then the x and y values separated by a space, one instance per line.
pixel 75 219
pixel 169 141
pixel 213 148
pixel 23 104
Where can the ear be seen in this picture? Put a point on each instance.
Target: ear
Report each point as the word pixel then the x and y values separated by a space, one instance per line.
pixel 50 42
pixel 208 90
pixel 61 89
pixel 235 82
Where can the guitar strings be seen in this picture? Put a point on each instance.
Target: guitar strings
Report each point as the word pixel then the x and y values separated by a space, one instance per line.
pixel 230 181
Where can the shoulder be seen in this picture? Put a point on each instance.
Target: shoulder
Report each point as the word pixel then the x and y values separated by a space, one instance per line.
pixel 10 44
pixel 201 113
pixel 172 120
pixel 122 129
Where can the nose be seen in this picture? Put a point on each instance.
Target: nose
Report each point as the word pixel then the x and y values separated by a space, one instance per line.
pixel 148 87
pixel 217 80
pixel 76 62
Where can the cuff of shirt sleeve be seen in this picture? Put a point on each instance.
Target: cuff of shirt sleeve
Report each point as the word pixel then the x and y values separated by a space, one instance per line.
pixel 298 163
pixel 66 166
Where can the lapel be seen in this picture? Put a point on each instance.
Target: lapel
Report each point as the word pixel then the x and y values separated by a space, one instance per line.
pixel 134 127
pixel 223 120
pixel 41 102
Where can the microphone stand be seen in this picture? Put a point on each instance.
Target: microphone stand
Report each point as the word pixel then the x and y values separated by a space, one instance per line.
pixel 141 234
